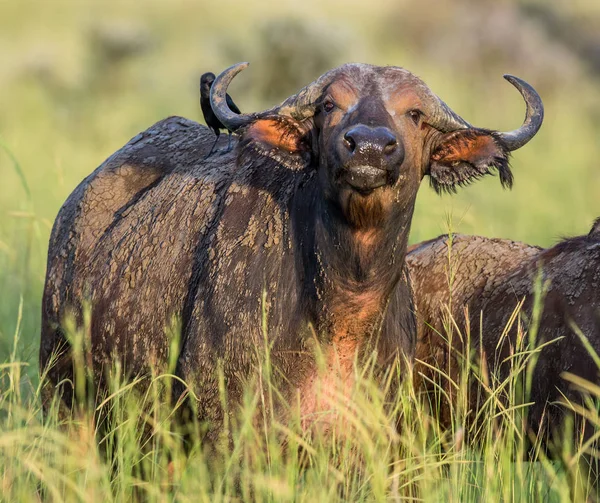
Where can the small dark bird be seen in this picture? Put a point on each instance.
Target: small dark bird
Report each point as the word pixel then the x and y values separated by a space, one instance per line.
pixel 212 122
pixel 595 227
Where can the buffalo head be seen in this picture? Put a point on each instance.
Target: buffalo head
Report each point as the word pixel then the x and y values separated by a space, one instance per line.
pixel 373 133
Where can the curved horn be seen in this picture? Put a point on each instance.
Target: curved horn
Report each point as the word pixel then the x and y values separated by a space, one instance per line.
pixel 533 117
pixel 444 119
pixel 218 99
pixel 299 107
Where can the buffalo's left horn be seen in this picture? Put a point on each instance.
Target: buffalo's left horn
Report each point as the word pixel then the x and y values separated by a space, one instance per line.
pixel 444 119
pixel 534 115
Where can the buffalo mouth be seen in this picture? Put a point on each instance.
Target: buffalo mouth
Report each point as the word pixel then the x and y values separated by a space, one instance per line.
pixel 365 179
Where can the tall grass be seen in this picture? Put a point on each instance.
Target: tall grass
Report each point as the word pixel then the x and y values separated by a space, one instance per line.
pixel 385 444
pixel 382 445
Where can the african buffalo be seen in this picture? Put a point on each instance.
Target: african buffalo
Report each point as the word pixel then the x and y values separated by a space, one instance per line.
pixel 313 208
pixel 451 274
pixel 491 277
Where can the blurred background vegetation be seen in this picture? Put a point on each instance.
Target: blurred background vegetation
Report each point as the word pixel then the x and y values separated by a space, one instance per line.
pixel 79 79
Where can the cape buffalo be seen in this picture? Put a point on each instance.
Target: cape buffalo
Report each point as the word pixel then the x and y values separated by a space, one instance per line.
pixel 491 277
pixel 313 208
pixel 451 274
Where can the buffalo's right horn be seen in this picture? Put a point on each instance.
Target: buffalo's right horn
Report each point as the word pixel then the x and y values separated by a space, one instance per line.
pixel 299 107
pixel 218 100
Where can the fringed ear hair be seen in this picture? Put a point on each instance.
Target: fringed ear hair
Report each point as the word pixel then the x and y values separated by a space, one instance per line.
pixel 465 155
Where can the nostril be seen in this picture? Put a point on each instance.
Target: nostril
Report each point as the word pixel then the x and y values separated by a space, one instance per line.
pixel 349 142
pixel 390 148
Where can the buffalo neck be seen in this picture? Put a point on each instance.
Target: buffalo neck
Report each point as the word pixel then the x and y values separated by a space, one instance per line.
pixel 350 273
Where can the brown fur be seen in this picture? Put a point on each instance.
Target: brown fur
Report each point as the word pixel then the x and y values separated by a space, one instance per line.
pixel 276 133
pixel 490 278
pixel 466 155
pixel 450 278
pixel 468 147
pixel 343 93
pixel 404 100
pixel 322 393
pixel 366 242
pixel 365 212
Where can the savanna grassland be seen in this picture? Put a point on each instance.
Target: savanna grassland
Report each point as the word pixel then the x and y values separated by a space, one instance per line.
pixel 79 79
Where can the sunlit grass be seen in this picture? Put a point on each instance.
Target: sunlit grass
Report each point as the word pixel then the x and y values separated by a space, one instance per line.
pixel 383 445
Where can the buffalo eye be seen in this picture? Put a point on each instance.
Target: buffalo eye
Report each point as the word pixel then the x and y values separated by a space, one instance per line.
pixel 328 106
pixel 415 116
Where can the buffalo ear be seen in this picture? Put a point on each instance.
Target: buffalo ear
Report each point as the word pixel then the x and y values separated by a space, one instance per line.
pixel 279 137
pixel 465 155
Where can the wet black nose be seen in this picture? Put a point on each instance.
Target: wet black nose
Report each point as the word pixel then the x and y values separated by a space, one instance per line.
pixel 364 139
pixel 370 156
pixel 374 146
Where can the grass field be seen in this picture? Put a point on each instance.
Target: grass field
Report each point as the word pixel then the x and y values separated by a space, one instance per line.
pixel 79 79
